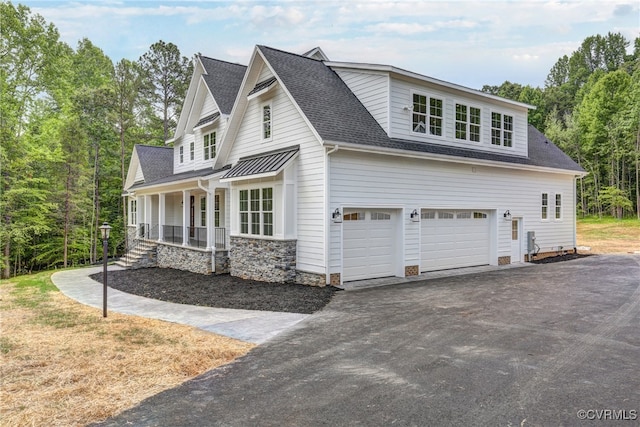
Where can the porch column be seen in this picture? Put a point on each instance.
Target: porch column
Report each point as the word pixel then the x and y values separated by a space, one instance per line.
pixel 161 216
pixel 147 215
pixel 211 222
pixel 186 211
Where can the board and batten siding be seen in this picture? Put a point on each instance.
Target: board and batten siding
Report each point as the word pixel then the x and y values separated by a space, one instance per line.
pixel 372 89
pixel 401 118
pixel 370 180
pixel 290 129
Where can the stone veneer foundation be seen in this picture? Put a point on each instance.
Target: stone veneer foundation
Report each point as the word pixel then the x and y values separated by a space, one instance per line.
pixel 184 258
pixel 411 270
pixel 263 260
pixel 504 260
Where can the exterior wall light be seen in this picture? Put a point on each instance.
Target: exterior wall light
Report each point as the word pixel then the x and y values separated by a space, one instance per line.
pixel 336 216
pixel 507 215
pixel 415 216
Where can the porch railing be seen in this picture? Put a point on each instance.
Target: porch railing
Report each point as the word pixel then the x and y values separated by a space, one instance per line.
pixel 172 233
pixel 221 237
pixel 175 234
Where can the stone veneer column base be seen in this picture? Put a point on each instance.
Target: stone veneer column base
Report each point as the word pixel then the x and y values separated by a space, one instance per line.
pixel 334 279
pixel 262 259
pixel 310 279
pixel 504 260
pixel 411 270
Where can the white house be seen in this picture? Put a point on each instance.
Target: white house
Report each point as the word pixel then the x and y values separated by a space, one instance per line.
pixel 299 169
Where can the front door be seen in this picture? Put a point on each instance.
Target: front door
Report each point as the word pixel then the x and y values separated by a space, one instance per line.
pixel 516 240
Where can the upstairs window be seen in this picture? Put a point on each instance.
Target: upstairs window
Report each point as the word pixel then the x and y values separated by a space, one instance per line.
pixel 424 113
pixel 192 150
pixel 181 151
pixel 501 129
pixel 467 123
pixel 266 122
pixel 210 146
pixel 545 206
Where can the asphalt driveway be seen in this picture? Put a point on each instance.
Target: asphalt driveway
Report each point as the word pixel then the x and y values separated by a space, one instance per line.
pixel 537 346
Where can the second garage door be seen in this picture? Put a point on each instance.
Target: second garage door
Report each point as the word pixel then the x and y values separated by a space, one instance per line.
pixel 368 243
pixel 454 239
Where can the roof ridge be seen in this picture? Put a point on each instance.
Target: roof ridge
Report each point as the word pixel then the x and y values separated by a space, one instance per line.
pixel 288 53
pixel 153 146
pixel 221 60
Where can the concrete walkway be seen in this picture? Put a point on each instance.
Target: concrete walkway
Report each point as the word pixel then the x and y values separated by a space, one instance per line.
pixel 246 325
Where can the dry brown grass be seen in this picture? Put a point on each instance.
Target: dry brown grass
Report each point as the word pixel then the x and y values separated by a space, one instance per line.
pixel 62 364
pixel 608 235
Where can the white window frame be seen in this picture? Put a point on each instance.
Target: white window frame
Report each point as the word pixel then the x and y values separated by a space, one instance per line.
pixel 258 214
pixel 427 115
pixel 181 154
pixel 133 212
pixel 203 211
pixel 557 212
pixel 502 129
pixel 264 123
pixel 209 145
pixel 467 122
pixel 192 151
pixel 216 210
pixel 544 207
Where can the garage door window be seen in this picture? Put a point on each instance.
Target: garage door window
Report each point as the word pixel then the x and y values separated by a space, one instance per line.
pixel 380 216
pixel 354 216
pixel 479 215
pixel 464 215
pixel 446 215
pixel 428 215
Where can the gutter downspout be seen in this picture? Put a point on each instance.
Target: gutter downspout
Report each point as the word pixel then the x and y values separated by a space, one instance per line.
pixel 327 227
pixel 210 235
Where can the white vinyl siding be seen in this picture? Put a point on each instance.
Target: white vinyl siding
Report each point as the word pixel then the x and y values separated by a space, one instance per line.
pixel 372 89
pixel 401 115
pixel 441 185
pixel 290 129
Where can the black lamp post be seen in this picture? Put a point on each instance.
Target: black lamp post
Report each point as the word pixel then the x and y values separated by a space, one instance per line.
pixel 104 230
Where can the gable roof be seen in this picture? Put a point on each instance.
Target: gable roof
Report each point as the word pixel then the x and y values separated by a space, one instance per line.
pixel 223 80
pixel 155 162
pixel 329 105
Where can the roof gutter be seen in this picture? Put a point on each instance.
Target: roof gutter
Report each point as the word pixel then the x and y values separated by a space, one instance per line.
pixel 451 159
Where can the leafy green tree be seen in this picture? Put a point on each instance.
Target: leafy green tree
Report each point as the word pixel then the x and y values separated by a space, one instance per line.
pixel 167 77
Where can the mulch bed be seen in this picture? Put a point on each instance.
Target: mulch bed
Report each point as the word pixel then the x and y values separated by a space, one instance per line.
pixel 223 291
pixel 559 258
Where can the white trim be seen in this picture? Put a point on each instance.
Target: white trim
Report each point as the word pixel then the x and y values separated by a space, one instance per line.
pixel 262 121
pixel 469 105
pixel 427 133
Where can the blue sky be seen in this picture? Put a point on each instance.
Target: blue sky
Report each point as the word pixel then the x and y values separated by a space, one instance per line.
pixel 471 43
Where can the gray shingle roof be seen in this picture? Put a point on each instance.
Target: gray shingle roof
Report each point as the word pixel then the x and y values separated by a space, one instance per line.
pixel 224 80
pixel 156 162
pixel 271 161
pixel 338 116
pixel 331 107
pixel 180 176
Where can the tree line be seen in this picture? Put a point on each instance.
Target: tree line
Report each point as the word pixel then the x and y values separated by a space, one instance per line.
pixel 590 107
pixel 70 118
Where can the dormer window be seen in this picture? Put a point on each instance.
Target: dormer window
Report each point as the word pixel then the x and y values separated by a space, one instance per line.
pixel 181 151
pixel 467 123
pixel 210 146
pixel 501 129
pixel 192 150
pixel 266 122
pixel 427 109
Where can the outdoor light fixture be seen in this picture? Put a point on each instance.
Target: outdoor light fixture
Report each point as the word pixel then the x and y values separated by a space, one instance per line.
pixel 336 216
pixel 507 215
pixel 415 216
pixel 104 231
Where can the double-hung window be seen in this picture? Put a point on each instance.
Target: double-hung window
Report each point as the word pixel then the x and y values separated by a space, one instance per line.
pixel 216 210
pixel 181 151
pixel 203 211
pixel 256 211
pixel 545 206
pixel 467 122
pixel 192 151
pixel 210 146
pixel 427 110
pixel 558 206
pixel 501 129
pixel 266 122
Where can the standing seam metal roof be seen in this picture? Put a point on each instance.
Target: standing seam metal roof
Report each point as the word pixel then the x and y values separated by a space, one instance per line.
pixel 263 163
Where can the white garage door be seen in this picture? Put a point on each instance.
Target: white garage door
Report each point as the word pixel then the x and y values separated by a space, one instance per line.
pixel 454 239
pixel 368 243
